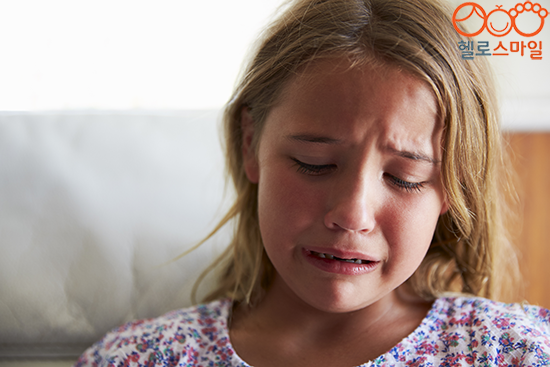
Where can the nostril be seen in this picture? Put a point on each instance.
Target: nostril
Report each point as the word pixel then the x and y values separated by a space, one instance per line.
pixel 351 205
pixel 347 221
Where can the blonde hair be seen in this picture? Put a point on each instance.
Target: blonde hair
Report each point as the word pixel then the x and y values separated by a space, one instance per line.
pixel 414 36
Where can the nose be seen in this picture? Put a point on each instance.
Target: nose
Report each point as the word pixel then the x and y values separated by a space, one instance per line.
pixel 352 205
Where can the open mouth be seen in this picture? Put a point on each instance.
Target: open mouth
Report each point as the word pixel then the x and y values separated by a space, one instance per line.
pixel 332 257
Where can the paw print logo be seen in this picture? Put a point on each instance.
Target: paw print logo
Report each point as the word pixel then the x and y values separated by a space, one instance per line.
pixel 500 22
pixel 524 9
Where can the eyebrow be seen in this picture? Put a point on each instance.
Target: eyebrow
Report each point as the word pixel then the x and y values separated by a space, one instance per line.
pixel 416 156
pixel 305 138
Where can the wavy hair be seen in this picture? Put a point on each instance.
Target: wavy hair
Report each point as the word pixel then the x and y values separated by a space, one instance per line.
pixel 417 37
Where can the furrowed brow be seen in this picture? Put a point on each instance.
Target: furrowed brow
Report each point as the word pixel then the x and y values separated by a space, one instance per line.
pixel 416 156
pixel 306 138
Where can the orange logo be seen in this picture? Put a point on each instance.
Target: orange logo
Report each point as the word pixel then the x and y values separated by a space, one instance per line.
pixel 506 19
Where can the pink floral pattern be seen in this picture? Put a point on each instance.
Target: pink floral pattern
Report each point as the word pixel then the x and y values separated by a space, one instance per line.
pixel 456 332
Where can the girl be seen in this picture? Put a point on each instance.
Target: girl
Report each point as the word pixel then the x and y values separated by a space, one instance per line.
pixel 367 161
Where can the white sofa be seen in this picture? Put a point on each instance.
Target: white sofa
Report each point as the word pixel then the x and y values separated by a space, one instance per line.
pixel 93 208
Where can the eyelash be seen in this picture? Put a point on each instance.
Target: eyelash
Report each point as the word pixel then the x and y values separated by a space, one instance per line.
pixel 315 170
pixel 312 169
pixel 406 185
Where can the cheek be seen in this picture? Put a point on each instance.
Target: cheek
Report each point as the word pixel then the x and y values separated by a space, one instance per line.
pixel 409 230
pixel 286 204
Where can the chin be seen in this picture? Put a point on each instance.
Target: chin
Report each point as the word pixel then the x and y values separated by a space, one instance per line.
pixel 339 301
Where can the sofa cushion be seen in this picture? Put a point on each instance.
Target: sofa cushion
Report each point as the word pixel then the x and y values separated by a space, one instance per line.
pixel 94 206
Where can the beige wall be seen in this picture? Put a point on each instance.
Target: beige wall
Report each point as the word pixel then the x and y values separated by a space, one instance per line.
pixel 531 159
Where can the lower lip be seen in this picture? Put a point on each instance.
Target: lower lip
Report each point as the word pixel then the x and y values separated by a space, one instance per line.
pixel 338 266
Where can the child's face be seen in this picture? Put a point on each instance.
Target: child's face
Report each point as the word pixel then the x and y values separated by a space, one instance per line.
pixel 348 167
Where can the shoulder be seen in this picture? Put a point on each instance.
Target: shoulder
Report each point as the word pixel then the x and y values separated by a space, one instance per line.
pixel 490 333
pixel 476 312
pixel 180 337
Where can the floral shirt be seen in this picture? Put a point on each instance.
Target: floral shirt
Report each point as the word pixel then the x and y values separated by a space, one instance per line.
pixel 456 332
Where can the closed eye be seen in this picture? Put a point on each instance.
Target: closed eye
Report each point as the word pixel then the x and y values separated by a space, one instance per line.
pixel 405 185
pixel 313 169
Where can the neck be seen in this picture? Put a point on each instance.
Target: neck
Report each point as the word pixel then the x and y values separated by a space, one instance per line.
pixel 283 309
pixel 282 319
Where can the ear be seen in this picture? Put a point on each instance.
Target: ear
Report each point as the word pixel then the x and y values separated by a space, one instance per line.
pixel 250 161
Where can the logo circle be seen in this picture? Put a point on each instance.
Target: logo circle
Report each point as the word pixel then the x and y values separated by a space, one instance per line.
pixel 528 6
pixel 499 32
pixel 475 8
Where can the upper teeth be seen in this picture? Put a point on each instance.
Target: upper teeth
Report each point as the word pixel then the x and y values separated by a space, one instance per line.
pixel 332 257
